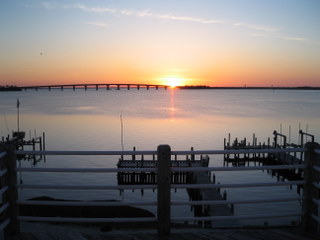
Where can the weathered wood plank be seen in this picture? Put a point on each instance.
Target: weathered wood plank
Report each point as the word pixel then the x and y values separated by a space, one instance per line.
pixel 185 234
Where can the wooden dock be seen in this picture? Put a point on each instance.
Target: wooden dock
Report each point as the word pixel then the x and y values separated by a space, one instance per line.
pixel 42 231
pixel 213 209
pixel 279 141
pixel 21 143
pixel 150 178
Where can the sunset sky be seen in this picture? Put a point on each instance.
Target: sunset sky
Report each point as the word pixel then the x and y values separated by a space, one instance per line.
pixel 199 42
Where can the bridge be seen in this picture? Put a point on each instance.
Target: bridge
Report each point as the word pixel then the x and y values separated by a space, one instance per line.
pixel 97 86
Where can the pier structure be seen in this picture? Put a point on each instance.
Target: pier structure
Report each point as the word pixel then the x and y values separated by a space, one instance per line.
pixel 37 143
pixel 151 177
pixel 264 159
pixel 179 177
pixel 279 141
pixel 97 86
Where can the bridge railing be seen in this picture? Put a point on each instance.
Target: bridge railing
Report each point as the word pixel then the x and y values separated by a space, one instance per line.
pixel 309 214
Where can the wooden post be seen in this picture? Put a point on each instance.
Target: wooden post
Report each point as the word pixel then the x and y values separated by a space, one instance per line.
pixel 275 138
pixel 310 192
pixel 11 195
pixel 133 155
pixel 192 155
pixel 164 191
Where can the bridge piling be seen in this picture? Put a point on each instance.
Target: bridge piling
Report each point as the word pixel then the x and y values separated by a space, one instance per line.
pixel 108 86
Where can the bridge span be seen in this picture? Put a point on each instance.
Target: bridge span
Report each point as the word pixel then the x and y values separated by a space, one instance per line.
pixel 97 86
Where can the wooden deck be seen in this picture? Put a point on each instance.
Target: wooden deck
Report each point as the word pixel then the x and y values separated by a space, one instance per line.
pixel 37 231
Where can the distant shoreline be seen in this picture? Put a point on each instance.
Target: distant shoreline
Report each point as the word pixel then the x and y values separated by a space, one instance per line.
pixel 248 88
pixel 198 87
pixel 9 88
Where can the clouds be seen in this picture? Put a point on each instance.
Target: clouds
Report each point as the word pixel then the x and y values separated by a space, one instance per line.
pixel 255 30
pixel 98 24
pixel 255 27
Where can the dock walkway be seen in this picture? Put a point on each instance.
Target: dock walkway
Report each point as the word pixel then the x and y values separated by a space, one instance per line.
pixel 42 231
pixel 215 209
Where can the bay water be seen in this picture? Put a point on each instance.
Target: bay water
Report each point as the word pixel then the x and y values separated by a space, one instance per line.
pixel 91 120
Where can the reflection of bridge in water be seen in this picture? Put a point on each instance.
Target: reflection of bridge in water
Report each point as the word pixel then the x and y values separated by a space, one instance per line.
pixel 97 86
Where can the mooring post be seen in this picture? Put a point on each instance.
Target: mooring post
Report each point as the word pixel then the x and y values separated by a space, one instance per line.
pixel 11 195
pixel 192 155
pixel 164 189
pixel 133 155
pixel 310 191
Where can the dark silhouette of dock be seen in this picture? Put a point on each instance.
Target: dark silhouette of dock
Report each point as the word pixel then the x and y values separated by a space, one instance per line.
pixel 180 177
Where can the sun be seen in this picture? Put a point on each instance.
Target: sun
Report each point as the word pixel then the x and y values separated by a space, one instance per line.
pixel 173 81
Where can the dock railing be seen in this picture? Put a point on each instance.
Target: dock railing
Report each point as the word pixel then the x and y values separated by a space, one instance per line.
pixel 10 218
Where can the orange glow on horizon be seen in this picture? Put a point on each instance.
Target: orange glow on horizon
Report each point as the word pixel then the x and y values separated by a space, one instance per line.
pixel 173 81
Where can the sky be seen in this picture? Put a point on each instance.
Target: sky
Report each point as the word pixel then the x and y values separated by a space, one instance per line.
pixel 177 42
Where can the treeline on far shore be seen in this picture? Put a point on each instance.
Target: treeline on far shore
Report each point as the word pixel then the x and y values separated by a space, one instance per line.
pixel 10 88
pixel 284 88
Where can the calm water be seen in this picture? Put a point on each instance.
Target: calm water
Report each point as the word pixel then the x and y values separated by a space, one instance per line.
pixel 90 120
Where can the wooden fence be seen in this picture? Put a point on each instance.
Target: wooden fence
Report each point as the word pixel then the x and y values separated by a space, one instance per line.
pixel 10 218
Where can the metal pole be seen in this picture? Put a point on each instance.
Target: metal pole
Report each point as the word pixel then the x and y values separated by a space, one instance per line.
pixel 18 106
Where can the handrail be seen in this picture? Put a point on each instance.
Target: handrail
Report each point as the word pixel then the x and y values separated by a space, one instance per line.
pixel 317 168
pixel 92 220
pixel 93 153
pixel 251 168
pixel 153 203
pixel 87 203
pixel 316 201
pixel 89 187
pixel 80 170
pixel 173 186
pixel 4 224
pixel 235 217
pixel 240 151
pixel 316 218
pixel 4 207
pixel 317 185
pixel 236 185
pixel 4 189
pixel 223 202
pixel 173 169
pixel 3 154
pixel 3 172
pixel 163 158
pixel 237 151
